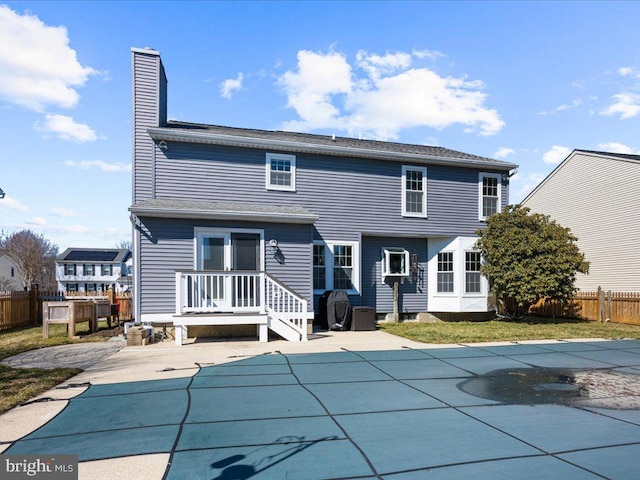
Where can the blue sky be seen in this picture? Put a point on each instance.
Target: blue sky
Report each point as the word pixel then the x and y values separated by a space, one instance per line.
pixel 522 81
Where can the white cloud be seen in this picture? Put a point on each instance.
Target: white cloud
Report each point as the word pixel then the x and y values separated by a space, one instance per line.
pixel 104 166
pixel 67 128
pixel 36 221
pixel 389 95
pixel 556 154
pixel 615 147
pixel 13 204
pixel 626 104
pixel 229 86
pixel 624 71
pixel 430 54
pixel 62 212
pixel 38 66
pixel 377 66
pixel 504 152
pixel 565 106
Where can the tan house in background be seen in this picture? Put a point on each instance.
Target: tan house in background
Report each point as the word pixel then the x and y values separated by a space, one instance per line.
pixel 597 195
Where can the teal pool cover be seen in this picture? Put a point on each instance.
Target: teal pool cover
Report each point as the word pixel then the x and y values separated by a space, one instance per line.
pixel 562 410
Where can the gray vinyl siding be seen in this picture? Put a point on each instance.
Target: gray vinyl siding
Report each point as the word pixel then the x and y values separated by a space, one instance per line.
pixel 412 296
pixel 350 196
pixel 598 198
pixel 147 91
pixel 168 245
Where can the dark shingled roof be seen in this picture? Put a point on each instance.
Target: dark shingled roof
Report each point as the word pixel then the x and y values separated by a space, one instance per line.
pixel 103 255
pixel 334 141
pixel 178 208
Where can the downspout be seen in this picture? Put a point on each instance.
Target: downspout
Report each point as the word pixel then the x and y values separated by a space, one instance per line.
pixel 135 224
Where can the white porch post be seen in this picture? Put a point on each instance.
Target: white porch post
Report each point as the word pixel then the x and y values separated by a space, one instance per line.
pixel 178 293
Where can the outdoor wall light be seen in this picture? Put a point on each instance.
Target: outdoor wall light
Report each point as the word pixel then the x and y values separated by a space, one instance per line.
pixel 163 145
pixel 273 243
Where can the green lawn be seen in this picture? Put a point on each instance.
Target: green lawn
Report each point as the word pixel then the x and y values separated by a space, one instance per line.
pixel 531 328
pixel 20 384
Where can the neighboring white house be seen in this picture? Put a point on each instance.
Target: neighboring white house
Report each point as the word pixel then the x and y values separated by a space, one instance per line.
pixel 93 269
pixel 597 196
pixel 9 275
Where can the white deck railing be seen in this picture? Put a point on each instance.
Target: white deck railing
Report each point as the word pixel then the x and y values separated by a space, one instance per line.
pixel 240 292
pixel 286 305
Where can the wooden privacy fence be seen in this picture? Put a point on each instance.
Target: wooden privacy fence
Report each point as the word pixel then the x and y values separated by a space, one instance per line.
pixel 17 308
pixel 602 306
pixel 25 308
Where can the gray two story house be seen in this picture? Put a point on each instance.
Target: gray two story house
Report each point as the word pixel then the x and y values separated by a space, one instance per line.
pixel 240 226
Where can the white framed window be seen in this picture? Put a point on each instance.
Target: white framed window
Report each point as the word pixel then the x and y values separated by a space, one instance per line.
pixel 281 172
pixel 88 269
pixel 69 269
pixel 395 262
pixel 414 191
pixel 90 287
pixel 336 266
pixel 445 273
pixel 489 194
pixel 319 267
pixel 107 270
pixel 72 287
pixel 472 279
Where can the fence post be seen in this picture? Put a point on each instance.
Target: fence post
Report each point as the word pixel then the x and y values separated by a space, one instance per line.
pixel 33 304
pixel 600 305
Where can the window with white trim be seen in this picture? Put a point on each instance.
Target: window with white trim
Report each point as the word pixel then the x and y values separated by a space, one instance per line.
pixel 72 287
pixel 90 287
pixel 343 267
pixel 319 267
pixel 445 272
pixel 336 266
pixel 489 201
pixel 281 172
pixel 414 191
pixel 88 269
pixel 472 264
pixel 69 269
pixel 395 262
pixel 107 270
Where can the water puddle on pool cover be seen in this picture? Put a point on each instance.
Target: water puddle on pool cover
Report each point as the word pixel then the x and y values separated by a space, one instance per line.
pixel 593 388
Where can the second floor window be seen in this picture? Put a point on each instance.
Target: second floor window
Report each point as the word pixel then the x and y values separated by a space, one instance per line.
pixel 445 272
pixel 69 269
pixel 88 269
pixel 489 194
pixel 281 172
pixel 414 191
pixel 107 270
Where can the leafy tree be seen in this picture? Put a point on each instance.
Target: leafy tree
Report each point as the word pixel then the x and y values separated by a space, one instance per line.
pixel 33 255
pixel 527 256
